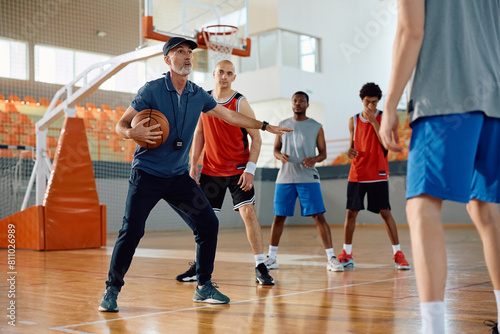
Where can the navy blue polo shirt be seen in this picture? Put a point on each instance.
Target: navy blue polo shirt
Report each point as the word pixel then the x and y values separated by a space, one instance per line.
pixel 161 95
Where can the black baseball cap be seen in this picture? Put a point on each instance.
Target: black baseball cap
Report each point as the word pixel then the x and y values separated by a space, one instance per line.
pixel 176 41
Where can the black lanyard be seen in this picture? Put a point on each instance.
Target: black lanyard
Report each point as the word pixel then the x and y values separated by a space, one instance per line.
pixel 178 142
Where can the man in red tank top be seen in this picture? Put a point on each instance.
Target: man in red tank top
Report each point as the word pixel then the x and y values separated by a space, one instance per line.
pixel 369 175
pixel 229 163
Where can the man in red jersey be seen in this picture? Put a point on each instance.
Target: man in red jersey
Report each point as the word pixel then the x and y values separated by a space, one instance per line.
pixel 229 163
pixel 369 175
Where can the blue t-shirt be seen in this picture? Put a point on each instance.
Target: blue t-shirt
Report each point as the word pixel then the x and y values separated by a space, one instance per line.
pixel 161 95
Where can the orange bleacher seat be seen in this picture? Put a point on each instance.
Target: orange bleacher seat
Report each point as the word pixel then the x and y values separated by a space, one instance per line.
pixel 18 130
pixel 5 118
pixel 11 139
pixel 24 119
pixel 10 107
pixel 14 99
pixel 44 102
pixel 29 100
pixel 105 107
pixel 30 140
pixel 115 146
pixel 51 142
pixel 2 97
pixel 90 105
pixel 3 130
pixel 6 153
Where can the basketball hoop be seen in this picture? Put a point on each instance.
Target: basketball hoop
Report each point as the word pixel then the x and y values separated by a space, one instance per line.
pixel 220 40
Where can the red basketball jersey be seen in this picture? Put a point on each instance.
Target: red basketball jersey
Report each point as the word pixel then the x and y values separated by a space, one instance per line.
pixel 226 145
pixel 372 163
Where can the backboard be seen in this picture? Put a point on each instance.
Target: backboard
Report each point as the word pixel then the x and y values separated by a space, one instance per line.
pixel 163 19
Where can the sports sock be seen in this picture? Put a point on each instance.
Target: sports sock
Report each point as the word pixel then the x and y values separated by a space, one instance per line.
pixel 329 253
pixel 259 258
pixel 272 251
pixel 396 248
pixel 432 317
pixel 497 297
pixel 348 248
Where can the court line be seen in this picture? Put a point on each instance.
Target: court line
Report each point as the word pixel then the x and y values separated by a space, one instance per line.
pixel 67 330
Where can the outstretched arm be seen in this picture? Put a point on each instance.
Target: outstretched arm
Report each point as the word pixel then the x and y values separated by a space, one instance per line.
pixel 235 118
pixel 409 36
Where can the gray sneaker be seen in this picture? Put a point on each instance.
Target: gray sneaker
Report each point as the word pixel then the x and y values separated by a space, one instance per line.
pixel 271 263
pixel 210 294
pixel 108 303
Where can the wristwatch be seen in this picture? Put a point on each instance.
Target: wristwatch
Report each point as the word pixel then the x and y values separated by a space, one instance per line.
pixel 264 125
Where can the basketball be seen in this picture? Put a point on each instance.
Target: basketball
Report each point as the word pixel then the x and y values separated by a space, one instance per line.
pixel 155 117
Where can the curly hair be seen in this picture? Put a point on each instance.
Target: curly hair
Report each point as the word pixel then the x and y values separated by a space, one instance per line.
pixel 302 93
pixel 370 89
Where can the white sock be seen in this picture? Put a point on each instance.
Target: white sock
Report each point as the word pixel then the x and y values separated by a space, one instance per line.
pixel 348 248
pixel 432 317
pixel 259 258
pixel 329 253
pixel 272 251
pixel 396 248
pixel 497 297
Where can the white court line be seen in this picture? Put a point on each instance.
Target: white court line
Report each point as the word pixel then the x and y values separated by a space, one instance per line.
pixel 67 330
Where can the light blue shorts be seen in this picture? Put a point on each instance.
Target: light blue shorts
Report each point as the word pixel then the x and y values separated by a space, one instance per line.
pixel 309 194
pixel 455 157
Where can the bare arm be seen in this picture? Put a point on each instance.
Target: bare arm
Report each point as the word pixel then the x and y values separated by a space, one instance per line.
pixel 409 36
pixel 351 153
pixel 246 180
pixel 197 148
pixel 238 119
pixel 139 131
pixel 277 151
pixel 321 144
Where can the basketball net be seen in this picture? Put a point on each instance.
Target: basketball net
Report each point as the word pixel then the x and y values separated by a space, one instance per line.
pixel 220 40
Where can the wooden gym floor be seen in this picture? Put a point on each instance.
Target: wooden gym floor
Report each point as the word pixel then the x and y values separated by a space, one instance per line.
pixel 59 291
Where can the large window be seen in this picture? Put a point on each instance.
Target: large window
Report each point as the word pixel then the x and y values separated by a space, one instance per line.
pixel 60 66
pixel 281 47
pixel 13 59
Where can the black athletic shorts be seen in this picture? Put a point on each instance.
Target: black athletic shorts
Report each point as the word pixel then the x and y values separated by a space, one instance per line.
pixel 215 187
pixel 378 196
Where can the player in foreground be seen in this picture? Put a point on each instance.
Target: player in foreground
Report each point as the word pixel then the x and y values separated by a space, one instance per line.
pixel 454 48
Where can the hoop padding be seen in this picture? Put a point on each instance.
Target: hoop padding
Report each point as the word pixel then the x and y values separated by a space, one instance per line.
pixel 220 40
pixel 71 217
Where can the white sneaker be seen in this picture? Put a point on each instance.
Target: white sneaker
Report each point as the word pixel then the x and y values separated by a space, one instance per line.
pixel 334 264
pixel 271 263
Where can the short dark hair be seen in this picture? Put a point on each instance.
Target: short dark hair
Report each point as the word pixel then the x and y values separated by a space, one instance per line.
pixel 302 93
pixel 370 89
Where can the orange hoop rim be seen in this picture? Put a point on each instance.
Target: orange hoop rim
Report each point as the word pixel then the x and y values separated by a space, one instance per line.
pixel 232 30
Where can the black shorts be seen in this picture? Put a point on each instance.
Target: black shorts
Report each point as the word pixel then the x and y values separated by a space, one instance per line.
pixel 378 196
pixel 215 187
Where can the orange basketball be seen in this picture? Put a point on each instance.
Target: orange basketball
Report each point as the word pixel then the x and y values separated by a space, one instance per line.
pixel 155 117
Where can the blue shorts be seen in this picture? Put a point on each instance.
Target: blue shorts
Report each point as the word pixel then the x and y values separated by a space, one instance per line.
pixel 455 157
pixel 309 194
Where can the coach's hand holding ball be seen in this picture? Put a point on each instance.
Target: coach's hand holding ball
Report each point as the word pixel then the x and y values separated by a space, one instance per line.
pixel 150 128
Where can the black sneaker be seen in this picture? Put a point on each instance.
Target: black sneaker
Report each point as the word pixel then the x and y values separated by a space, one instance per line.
pixel 189 275
pixel 493 325
pixel 262 275
pixel 108 303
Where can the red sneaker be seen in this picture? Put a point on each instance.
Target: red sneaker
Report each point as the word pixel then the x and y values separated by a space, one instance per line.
pixel 345 259
pixel 400 261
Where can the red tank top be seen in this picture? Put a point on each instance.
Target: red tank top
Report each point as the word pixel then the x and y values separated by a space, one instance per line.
pixel 226 145
pixel 372 163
